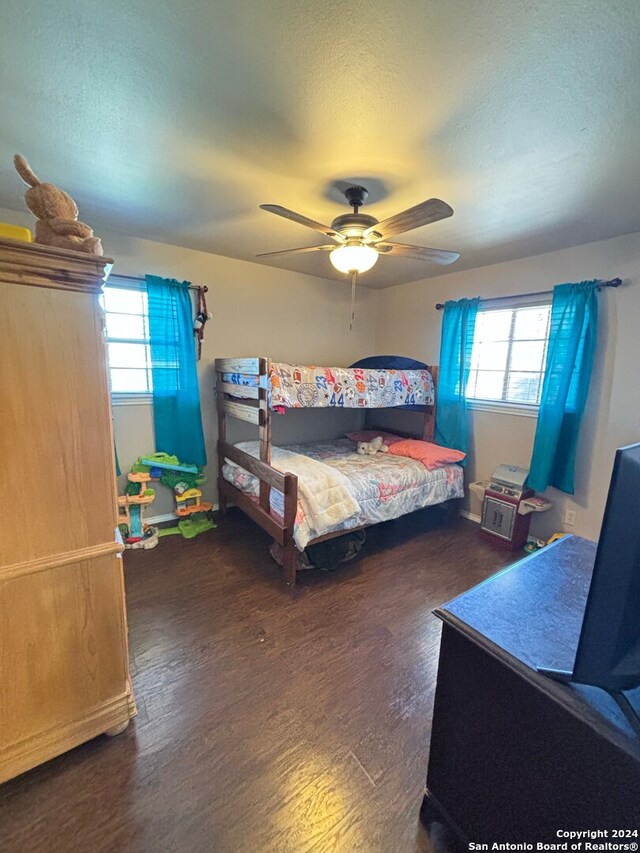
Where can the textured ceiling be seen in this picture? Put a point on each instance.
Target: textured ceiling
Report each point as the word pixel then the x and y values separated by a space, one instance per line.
pixel 173 121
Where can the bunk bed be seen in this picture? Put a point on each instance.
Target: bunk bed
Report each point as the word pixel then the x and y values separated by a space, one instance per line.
pixel 252 389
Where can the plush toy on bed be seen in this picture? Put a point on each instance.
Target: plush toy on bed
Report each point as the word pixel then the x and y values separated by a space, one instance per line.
pixel 57 214
pixel 370 448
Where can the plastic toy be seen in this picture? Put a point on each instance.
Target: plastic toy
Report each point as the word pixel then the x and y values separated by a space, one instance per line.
pixel 15 232
pixel 536 503
pixel 188 527
pixel 189 502
pixel 183 480
pixel 536 544
pixel 136 533
pixel 532 545
pixel 162 461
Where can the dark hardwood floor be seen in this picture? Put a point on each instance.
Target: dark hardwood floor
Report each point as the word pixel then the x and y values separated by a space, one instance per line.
pixel 270 721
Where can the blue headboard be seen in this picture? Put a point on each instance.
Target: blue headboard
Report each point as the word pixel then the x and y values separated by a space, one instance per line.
pixel 390 362
pixel 393 362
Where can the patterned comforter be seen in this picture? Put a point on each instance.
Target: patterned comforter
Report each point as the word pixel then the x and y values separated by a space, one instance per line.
pixel 305 386
pixel 384 486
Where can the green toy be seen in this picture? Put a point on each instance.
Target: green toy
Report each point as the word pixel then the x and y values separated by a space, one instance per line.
pixel 183 480
pixel 189 527
pixel 169 531
pixel 173 479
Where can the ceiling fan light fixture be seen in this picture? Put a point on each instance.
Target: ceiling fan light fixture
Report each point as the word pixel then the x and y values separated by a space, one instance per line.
pixel 353 258
pixel 362 238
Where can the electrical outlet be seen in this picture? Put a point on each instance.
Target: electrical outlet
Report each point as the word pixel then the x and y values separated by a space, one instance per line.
pixel 570 517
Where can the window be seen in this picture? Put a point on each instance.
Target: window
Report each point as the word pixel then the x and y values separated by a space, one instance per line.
pixel 509 353
pixel 127 323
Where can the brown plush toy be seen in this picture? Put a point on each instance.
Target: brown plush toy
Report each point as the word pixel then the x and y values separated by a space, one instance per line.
pixel 57 214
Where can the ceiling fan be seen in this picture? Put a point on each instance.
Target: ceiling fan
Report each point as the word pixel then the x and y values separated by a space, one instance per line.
pixel 361 238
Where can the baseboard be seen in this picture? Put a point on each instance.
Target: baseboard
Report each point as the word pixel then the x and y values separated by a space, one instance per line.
pixel 171 516
pixel 158 519
pixel 471 516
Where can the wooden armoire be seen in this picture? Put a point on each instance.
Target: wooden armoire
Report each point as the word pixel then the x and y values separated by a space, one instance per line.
pixel 64 674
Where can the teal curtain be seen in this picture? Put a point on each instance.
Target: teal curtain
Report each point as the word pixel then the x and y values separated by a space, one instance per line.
pixel 572 343
pixel 458 325
pixel 176 395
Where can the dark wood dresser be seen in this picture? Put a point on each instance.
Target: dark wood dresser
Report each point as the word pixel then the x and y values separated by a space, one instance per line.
pixel 515 756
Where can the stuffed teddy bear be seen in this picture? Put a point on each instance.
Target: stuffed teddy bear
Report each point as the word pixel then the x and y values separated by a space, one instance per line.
pixel 370 448
pixel 57 214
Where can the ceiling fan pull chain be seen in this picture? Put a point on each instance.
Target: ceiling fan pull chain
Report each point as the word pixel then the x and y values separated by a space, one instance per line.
pixel 354 278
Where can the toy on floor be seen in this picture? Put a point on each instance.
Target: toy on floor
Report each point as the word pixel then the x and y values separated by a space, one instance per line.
pixel 159 462
pixel 189 501
pixel 136 533
pixel 532 545
pixel 189 527
pixel 370 448
pixel 536 544
pixel 184 481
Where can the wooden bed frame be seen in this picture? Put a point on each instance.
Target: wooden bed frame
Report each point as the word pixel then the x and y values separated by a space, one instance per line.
pixel 250 403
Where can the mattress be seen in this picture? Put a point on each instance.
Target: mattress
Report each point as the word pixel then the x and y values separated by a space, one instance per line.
pixel 385 486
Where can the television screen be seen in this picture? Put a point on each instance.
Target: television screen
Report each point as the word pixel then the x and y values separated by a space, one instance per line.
pixel 608 654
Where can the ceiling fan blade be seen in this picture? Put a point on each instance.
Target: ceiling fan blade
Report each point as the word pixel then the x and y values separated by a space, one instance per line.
pixel 421 253
pixel 329 247
pixel 303 220
pixel 424 213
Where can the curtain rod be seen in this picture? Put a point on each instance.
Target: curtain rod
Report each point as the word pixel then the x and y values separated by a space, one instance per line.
pixel 140 278
pixel 613 282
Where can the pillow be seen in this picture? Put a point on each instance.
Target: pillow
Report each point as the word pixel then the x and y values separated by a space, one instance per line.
pixel 369 434
pixel 431 455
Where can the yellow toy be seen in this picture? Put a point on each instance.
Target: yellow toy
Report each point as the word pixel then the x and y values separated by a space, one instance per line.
pixel 189 502
pixel 15 232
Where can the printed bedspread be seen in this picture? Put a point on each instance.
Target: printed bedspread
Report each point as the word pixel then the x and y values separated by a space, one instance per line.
pixel 384 486
pixel 306 386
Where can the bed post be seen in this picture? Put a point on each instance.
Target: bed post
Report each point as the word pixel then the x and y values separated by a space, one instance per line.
pixel 289 563
pixel 289 551
pixel 428 431
pixel 222 436
pixel 264 429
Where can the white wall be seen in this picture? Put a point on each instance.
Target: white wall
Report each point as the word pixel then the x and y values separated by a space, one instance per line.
pixel 408 324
